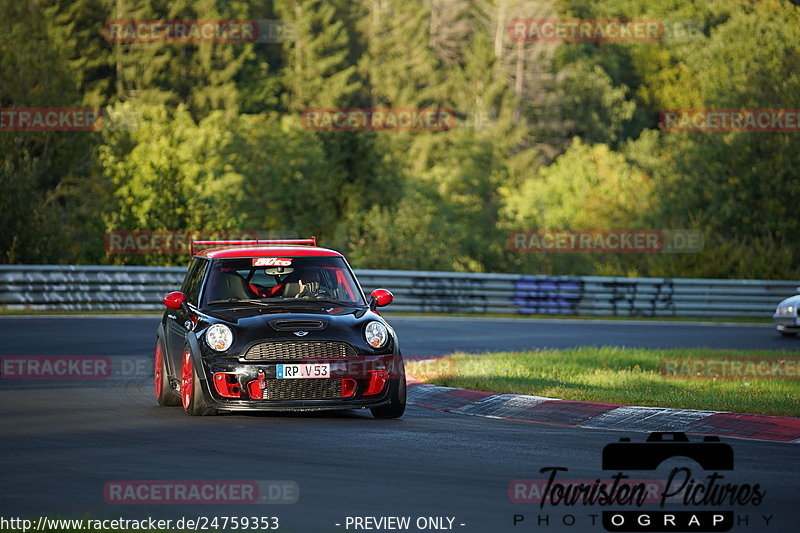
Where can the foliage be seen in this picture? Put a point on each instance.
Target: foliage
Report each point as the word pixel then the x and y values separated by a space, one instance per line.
pixel 207 136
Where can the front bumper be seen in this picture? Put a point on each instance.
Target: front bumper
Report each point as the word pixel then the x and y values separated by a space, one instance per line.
pixel 786 322
pixel 233 384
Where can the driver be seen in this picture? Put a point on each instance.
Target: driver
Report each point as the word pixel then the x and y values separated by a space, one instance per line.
pixel 302 283
pixel 309 287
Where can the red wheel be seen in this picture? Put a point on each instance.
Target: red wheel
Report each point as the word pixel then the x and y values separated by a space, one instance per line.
pixel 191 393
pixel 164 393
pixel 159 370
pixel 187 381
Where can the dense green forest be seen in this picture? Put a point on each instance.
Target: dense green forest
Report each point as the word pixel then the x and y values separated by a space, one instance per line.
pixel 557 135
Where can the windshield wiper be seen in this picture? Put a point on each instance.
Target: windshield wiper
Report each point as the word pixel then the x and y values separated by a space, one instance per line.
pixel 288 302
pixel 334 302
pixel 237 301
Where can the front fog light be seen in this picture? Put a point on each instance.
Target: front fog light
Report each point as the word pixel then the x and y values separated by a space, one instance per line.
pixel 219 337
pixel 376 334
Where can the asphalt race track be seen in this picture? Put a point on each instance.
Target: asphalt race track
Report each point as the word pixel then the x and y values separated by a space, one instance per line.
pixel 132 335
pixel 62 442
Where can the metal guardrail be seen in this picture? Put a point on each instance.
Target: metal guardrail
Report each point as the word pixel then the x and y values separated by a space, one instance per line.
pixel 40 287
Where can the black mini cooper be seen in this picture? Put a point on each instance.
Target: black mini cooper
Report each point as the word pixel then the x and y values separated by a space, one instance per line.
pixel 276 326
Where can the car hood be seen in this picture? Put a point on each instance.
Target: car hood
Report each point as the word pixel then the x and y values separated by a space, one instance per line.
pixel 344 324
pixel 792 300
pixel 256 315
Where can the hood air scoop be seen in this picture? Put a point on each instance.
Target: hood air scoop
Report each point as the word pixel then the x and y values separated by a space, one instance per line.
pixel 298 325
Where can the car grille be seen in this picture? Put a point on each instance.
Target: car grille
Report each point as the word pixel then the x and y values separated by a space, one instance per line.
pixel 273 351
pixel 302 389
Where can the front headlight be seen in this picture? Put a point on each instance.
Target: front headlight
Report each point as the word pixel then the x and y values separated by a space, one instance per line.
pixel 219 337
pixel 376 334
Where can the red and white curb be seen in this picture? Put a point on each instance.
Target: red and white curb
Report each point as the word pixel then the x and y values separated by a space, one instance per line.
pixel 593 415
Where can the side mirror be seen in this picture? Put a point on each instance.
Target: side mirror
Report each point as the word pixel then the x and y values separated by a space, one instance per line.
pixel 174 300
pixel 380 298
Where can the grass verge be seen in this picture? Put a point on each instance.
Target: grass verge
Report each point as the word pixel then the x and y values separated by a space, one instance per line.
pixel 627 376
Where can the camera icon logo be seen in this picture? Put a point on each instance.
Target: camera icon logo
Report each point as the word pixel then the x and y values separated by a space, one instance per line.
pixel 710 453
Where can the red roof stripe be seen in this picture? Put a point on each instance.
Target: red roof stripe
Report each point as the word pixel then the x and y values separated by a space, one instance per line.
pixel 242 252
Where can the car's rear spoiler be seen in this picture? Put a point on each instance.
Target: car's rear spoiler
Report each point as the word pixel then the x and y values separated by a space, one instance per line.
pixel 272 242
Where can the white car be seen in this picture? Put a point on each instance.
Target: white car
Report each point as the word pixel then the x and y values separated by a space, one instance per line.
pixel 786 318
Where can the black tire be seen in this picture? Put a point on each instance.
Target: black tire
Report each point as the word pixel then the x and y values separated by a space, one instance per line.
pixel 165 395
pixel 397 407
pixel 194 402
pixel 787 333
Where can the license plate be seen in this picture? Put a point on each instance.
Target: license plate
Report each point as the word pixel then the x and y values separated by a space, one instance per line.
pixel 303 371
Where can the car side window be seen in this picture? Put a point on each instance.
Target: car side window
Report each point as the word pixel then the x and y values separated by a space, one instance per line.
pixel 194 279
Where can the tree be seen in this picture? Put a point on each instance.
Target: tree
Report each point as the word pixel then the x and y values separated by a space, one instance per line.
pixel 75 27
pixel 597 110
pixel 286 183
pixel 35 165
pixel 320 72
pixel 169 172
pixel 414 234
pixel 742 184
pixel 200 74
pixel 319 69
pixel 398 63
pixel 589 187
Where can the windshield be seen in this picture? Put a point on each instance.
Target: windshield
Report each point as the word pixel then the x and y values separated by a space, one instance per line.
pixel 282 280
